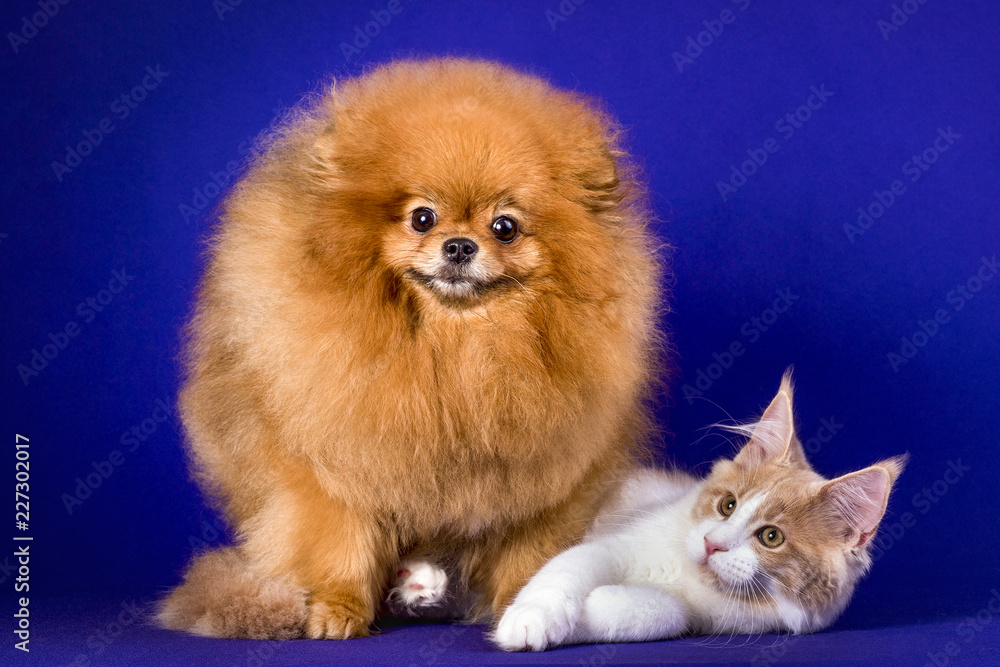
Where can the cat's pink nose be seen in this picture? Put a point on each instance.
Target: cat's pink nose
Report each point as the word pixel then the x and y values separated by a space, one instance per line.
pixel 711 547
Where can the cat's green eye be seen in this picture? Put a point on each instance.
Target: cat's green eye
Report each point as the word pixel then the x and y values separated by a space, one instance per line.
pixel 771 536
pixel 727 505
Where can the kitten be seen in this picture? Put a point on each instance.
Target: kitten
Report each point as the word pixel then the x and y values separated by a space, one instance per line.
pixel 762 544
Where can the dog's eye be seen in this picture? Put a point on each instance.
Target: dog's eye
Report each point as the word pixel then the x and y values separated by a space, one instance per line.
pixel 423 219
pixel 504 228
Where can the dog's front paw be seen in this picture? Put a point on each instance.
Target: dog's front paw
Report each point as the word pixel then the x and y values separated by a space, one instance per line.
pixel 419 586
pixel 337 617
pixel 534 625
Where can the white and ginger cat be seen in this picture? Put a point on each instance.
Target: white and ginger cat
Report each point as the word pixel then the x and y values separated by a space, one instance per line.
pixel 762 544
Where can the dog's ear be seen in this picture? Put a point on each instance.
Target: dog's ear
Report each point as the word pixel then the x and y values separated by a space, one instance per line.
pixel 602 186
pixel 325 147
pixel 597 168
pixel 583 148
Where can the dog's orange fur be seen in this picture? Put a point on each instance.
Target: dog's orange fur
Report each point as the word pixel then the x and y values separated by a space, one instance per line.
pixel 344 414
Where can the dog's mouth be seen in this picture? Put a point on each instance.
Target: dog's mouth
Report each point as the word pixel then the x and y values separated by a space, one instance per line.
pixel 456 287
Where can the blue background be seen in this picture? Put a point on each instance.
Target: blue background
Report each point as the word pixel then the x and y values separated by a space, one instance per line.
pixel 855 296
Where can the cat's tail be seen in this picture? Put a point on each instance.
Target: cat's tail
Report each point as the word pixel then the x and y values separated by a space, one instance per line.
pixel 221 596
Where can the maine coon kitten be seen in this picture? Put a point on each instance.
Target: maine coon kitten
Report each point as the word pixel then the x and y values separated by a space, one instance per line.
pixel 762 544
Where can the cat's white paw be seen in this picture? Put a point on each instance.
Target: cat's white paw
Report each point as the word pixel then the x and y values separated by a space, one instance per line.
pixel 534 626
pixel 419 585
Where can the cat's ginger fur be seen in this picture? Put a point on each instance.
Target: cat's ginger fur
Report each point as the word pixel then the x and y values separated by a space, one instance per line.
pixel 343 417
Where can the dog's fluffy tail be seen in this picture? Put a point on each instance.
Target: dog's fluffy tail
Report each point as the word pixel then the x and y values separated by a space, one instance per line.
pixel 221 596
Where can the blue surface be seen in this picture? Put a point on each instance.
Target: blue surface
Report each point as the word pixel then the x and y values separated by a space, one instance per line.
pixel 83 631
pixel 890 314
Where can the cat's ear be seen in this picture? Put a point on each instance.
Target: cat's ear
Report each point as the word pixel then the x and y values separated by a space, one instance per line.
pixel 857 501
pixel 773 438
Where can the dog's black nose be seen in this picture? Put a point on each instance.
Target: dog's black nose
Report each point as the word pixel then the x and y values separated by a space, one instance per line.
pixel 460 250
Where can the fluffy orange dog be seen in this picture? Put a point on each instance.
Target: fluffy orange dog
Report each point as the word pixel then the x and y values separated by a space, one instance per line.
pixel 429 323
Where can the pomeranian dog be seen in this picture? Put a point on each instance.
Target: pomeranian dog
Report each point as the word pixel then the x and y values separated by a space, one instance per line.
pixel 428 325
